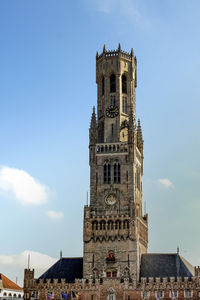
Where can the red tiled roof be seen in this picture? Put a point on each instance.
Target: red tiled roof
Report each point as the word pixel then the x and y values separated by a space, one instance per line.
pixel 8 284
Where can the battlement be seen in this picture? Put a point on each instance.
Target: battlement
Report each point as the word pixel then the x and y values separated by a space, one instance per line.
pixel 185 282
pixel 114 53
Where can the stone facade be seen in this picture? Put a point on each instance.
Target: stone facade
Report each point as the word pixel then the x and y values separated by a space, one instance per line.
pixel 115 233
pixel 114 223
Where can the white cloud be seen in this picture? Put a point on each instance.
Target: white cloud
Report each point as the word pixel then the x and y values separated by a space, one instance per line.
pixel 38 260
pixel 165 183
pixel 55 215
pixel 26 189
pixel 127 8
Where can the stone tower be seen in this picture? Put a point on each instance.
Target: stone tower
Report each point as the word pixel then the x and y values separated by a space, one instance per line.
pixel 115 229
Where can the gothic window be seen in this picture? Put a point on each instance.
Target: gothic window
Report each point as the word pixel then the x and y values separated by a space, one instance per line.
pixel 116 173
pixel 125 224
pixel 118 224
pixel 124 105
pixel 94 225
pixel 112 84
pixel 106 173
pixel 110 225
pixel 124 84
pixel 102 225
pixel 102 86
pixel 126 175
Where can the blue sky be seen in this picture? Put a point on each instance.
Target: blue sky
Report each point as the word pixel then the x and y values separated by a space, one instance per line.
pixel 47 75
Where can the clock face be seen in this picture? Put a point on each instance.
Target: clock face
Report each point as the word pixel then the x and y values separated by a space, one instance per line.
pixel 110 199
pixel 112 111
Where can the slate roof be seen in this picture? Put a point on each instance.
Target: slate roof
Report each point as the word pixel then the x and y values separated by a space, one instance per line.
pixel 9 284
pixel 152 265
pixel 65 268
pixel 165 265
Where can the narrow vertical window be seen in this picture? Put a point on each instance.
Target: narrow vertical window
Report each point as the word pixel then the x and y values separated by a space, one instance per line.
pixel 124 105
pixel 108 174
pixel 105 174
pixel 93 260
pixel 112 129
pixel 102 86
pixel 117 173
pixel 124 84
pixel 112 84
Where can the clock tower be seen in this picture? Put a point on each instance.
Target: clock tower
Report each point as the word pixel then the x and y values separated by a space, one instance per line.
pixel 115 229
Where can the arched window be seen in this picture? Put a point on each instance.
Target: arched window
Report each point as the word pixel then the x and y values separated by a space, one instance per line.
pixel 102 86
pixel 102 225
pixel 124 84
pixel 118 224
pixel 5 294
pixel 94 225
pixel 116 173
pixel 124 105
pixel 125 224
pixel 106 173
pixel 112 83
pixel 110 225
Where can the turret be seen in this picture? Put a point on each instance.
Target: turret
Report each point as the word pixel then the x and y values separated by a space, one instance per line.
pixel 93 128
